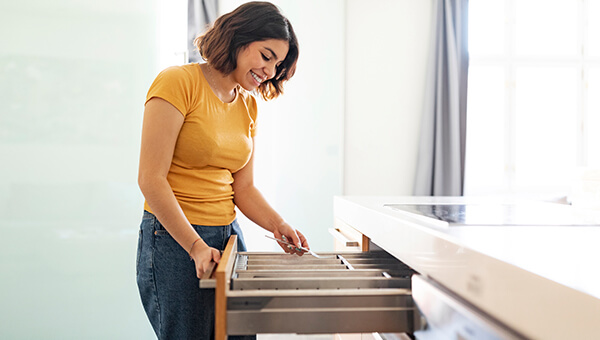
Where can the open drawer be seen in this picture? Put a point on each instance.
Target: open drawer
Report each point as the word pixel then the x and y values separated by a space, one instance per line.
pixel 340 293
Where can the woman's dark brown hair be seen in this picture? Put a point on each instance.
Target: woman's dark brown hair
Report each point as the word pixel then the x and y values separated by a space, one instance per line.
pixel 252 21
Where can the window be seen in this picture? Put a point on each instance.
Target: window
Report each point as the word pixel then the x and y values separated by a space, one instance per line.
pixel 533 113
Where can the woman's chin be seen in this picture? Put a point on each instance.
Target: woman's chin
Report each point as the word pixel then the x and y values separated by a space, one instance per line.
pixel 250 88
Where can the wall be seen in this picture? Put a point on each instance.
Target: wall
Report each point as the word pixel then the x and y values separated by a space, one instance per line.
pixel 73 77
pixel 386 52
pixel 299 150
pixel 349 120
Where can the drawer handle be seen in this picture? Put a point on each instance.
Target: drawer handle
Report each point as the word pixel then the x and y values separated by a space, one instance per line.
pixel 208 279
pixel 340 237
pixel 208 273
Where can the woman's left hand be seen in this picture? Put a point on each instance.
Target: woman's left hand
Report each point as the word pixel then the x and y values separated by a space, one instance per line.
pixel 287 233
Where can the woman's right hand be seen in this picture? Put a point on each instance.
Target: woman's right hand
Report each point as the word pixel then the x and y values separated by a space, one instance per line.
pixel 203 255
pixel 285 232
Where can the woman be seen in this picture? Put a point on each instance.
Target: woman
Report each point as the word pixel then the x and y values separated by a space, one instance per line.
pixel 196 163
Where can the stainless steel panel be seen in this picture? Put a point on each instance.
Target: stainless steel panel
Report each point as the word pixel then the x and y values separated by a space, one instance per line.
pixel 320 283
pixel 450 317
pixel 319 321
pixel 296 266
pixel 308 273
pixel 327 298
pixel 327 311
pixel 284 261
pixel 285 258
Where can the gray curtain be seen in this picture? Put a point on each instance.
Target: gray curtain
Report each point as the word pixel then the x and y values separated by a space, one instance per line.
pixel 441 159
pixel 201 14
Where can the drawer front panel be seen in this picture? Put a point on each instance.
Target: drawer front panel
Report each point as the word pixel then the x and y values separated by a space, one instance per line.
pixel 319 321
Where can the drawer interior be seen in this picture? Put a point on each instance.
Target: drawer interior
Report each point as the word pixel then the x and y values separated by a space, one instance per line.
pixel 278 271
pixel 338 293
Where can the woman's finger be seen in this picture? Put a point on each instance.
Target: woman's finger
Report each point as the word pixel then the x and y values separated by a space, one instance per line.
pixel 303 239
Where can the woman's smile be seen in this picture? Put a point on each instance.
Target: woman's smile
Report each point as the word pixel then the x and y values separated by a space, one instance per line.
pixel 258 79
pixel 258 62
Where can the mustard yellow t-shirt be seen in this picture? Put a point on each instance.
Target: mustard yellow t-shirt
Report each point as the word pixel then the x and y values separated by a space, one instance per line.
pixel 215 141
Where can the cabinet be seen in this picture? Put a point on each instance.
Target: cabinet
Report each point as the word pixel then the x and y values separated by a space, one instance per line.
pixel 346 238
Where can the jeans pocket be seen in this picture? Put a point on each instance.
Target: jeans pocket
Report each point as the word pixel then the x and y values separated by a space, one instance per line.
pixel 165 246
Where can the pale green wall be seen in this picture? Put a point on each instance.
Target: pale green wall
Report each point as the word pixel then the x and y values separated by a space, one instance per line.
pixel 73 75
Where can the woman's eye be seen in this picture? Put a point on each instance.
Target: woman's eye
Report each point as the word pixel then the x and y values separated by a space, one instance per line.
pixel 265 57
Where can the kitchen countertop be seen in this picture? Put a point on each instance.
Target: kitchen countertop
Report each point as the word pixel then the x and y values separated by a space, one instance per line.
pixel 541 280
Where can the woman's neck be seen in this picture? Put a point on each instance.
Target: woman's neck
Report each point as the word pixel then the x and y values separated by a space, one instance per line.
pixel 221 85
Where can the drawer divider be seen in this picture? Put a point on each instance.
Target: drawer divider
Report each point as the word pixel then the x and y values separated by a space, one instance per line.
pixel 344 261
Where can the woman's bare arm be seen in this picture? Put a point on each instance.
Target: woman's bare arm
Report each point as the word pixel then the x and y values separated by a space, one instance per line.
pixel 162 123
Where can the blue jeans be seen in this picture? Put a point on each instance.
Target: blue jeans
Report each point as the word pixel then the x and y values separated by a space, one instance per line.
pixel 176 306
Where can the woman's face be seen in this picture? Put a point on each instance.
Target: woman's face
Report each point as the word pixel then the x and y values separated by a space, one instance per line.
pixel 258 61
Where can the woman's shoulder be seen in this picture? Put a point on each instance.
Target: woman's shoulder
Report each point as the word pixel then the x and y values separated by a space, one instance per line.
pixel 179 85
pixel 180 79
pixel 187 71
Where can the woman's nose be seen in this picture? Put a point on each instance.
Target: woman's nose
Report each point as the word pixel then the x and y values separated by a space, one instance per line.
pixel 270 71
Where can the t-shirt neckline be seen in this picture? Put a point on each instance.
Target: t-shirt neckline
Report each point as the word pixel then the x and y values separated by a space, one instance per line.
pixel 237 92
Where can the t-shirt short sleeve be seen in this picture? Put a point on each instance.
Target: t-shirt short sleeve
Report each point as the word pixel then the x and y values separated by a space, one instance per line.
pixel 175 85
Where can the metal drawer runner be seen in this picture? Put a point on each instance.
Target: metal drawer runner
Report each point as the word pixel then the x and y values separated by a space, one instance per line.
pixel 340 293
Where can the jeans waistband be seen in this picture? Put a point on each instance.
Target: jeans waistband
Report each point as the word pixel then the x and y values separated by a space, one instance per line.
pixel 159 226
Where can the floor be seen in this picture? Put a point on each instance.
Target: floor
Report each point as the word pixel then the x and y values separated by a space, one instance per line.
pixel 294 337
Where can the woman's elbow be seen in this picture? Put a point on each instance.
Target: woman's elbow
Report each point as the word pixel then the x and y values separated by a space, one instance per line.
pixel 147 181
pixel 242 188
